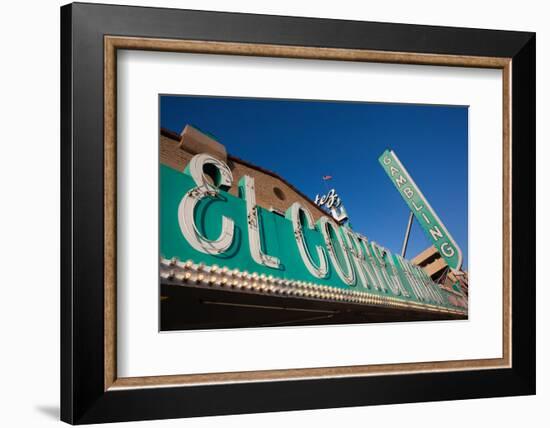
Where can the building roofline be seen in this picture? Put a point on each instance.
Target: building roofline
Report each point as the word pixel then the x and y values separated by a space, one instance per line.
pixel 175 136
pixel 170 134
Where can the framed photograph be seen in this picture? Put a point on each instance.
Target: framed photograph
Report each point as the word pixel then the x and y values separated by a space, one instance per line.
pixel 266 213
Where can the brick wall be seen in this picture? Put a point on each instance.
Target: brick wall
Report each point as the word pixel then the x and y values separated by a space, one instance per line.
pixel 174 155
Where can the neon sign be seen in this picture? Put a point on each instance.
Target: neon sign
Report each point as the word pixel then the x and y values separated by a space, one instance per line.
pixel 201 224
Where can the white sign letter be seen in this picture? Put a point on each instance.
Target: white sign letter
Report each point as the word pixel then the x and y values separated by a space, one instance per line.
pixel 186 209
pixel 294 213
pixel 248 192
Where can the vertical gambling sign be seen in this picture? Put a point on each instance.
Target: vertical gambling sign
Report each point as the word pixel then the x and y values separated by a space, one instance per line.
pixel 434 228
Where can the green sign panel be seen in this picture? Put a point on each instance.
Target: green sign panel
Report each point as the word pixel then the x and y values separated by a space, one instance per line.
pixel 434 228
pixel 201 223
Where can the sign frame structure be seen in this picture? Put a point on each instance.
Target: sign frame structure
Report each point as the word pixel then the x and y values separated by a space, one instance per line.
pixel 427 217
pixel 91 389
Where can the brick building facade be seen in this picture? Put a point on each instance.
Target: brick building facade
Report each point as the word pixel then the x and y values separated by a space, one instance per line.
pixel 272 191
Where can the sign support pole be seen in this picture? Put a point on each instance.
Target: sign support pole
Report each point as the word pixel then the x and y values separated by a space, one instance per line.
pixel 407 234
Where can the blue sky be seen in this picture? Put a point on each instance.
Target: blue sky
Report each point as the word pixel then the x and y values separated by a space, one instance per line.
pixel 305 140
